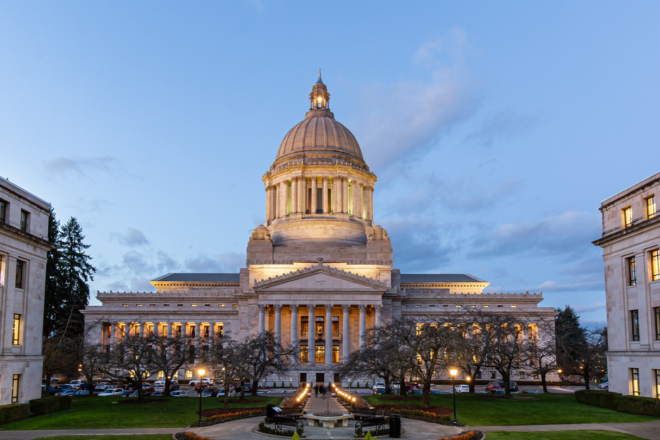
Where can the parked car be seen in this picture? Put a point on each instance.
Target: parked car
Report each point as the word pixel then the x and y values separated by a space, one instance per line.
pixel 67 392
pixel 156 394
pixel 76 383
pixel 209 392
pixel 178 394
pixel 205 380
pixel 112 392
pixel 603 386
pixel 82 393
pixel 462 388
pixel 512 385
pixel 52 390
pixel 494 388
pixel 378 390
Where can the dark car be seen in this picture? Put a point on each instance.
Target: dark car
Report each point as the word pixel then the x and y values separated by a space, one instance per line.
pixel 247 387
pixel 512 385
pixel 54 389
pixel 494 389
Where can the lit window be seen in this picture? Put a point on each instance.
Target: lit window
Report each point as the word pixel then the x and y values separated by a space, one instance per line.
pixel 221 305
pixel 189 374
pixel 514 307
pixel 634 373
pixel 627 217
pixel 632 272
pixel 486 306
pixel 650 207
pixel 634 321
pixel 535 376
pixel 655 265
pixel 3 211
pixel 657 383
pixel 234 305
pixel 15 388
pixel 25 220
pixel 160 375
pixel 124 305
pixel 16 330
pixel 138 305
pixel 657 326
pixel 304 354
pixel 194 305
pixel 320 354
pixel 335 354
pixel 20 266
pixel 521 375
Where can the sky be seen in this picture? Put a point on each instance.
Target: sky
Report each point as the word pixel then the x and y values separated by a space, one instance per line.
pixel 495 128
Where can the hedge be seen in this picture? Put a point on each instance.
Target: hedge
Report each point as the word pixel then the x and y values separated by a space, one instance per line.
pixel 52 404
pixel 12 413
pixel 645 406
pixel 603 399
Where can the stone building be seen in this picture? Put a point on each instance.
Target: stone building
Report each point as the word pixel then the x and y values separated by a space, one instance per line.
pixel 23 248
pixel 319 270
pixel 631 253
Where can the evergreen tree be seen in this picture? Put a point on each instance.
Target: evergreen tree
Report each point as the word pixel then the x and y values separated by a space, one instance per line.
pixel 52 309
pixel 571 337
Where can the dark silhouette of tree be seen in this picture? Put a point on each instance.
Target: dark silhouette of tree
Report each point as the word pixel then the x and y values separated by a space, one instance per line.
pixel 52 307
pixel 570 337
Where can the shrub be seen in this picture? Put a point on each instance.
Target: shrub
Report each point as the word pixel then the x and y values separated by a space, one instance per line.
pixel 48 405
pixel 295 436
pixel 359 432
pixel 645 406
pixel 14 412
pixel 267 430
pixel 268 420
pixel 464 436
pixel 190 436
pixel 358 384
pixel 602 399
pixel 222 418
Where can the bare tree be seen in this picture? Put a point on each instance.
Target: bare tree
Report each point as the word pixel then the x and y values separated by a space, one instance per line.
pixel 590 358
pixel 226 358
pixel 61 354
pixel 94 356
pixel 170 354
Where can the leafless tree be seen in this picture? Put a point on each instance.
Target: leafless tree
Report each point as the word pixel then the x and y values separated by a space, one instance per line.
pixel 589 359
pixel 170 354
pixel 226 358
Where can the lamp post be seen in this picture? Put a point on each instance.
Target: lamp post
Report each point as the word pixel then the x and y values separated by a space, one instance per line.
pixel 452 372
pixel 201 372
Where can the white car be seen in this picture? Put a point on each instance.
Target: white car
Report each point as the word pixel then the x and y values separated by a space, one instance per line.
pixel 112 392
pixel 462 388
pixel 178 394
pixel 196 381
pixel 603 386
pixel 76 383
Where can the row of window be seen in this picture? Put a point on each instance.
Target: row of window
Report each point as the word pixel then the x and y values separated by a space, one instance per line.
pixel 319 354
pixel 457 305
pixel 4 216
pixel 634 322
pixel 634 382
pixel 178 305
pixel 654 259
pixel 627 213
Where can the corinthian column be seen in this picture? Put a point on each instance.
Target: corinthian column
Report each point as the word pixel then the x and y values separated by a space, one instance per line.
pixel 338 194
pixel 314 194
pixel 379 309
pixel 311 322
pixel 294 195
pixel 328 334
pixel 262 318
pixel 370 203
pixel 267 204
pixel 325 195
pixel 278 322
pixel 363 324
pixel 294 327
pixel 344 195
pixel 282 196
pixel 302 194
pixel 346 338
pixel 357 199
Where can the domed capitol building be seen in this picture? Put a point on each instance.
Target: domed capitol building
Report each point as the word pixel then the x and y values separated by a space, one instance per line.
pixel 319 270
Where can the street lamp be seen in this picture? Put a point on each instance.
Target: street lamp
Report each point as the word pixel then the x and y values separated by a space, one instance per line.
pixel 201 372
pixel 452 372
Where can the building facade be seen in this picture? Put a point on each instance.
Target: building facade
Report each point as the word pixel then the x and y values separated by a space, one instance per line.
pixel 23 248
pixel 319 270
pixel 631 253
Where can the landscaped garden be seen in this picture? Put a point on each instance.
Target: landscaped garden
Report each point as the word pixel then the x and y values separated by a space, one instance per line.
pixel 519 409
pixel 108 412
pixel 560 435
pixel 110 437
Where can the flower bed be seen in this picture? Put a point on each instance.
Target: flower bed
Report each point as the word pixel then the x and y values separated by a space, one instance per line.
pixel 401 409
pixel 236 415
pixel 189 436
pixel 285 433
pixel 469 435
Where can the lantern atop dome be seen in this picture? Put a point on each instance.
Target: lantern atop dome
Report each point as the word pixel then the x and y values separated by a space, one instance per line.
pixel 319 99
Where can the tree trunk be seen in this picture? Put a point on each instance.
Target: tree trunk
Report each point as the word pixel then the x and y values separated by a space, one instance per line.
pixel 49 376
pixel 166 389
pixel 507 380
pixel 242 391
pixel 388 386
pixel 402 386
pixel 543 382
pixel 427 393
pixel 255 387
pixel 226 394
pixel 472 383
pixel 586 376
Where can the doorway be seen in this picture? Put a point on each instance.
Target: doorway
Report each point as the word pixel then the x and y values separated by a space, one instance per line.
pixel 320 377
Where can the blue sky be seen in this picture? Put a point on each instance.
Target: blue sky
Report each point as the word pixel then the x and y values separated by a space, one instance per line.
pixel 495 128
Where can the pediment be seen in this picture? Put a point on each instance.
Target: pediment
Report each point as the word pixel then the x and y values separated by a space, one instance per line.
pixel 320 278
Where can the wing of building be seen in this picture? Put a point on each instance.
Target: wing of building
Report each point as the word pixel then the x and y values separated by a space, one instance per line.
pixel 319 270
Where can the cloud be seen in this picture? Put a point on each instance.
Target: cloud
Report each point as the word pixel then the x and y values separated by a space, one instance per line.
pixel 84 166
pixel 579 285
pixel 502 124
pixel 592 308
pixel 225 262
pixel 132 238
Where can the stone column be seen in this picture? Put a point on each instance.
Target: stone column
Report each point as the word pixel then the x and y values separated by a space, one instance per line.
pixel 370 203
pixel 312 209
pixel 346 338
pixel 294 195
pixel 268 202
pixel 363 324
pixel 294 328
pixel 262 318
pixel 302 191
pixel 344 195
pixel 357 199
pixel 310 334
pixel 282 195
pixel 379 309
pixel 278 322
pixel 328 334
pixel 337 193
pixel 325 195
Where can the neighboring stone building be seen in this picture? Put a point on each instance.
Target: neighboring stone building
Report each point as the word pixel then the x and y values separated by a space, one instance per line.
pixel 23 248
pixel 319 270
pixel 631 252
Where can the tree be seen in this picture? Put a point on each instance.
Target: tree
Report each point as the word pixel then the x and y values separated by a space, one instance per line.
pixel 170 355
pixel 61 354
pixel 471 345
pixel 542 351
pixel 591 360
pixel 52 306
pixel 570 338
pixel 225 357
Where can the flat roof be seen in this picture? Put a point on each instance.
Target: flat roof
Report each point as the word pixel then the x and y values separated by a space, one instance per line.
pixel 11 186
pixel 630 189
pixel 200 277
pixel 439 278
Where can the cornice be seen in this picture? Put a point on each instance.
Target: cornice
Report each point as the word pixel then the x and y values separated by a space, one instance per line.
pixel 196 284
pixel 27 236
pixel 629 195
pixel 606 239
pixel 443 293
pixel 154 295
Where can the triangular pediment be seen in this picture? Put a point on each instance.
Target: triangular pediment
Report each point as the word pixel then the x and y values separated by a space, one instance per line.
pixel 320 278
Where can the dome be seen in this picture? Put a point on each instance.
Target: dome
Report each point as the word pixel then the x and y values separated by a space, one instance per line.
pixel 320 134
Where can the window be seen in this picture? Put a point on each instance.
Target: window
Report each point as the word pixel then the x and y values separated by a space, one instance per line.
pixel 20 265
pixel 627 216
pixel 15 388
pixel 304 354
pixel 657 383
pixel 189 374
pixel 655 265
pixel 632 271
pixel 335 325
pixel 657 323
pixel 25 220
pixel 3 211
pixel 650 207
pixel 304 324
pixel 320 326
pixel 634 373
pixel 16 330
pixel 521 375
pixel 535 376
pixel 160 375
pixel 634 321
pixel 335 354
pixel 320 353
pixel 492 375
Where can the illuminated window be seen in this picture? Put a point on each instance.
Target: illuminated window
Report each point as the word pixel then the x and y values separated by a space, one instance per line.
pixel 194 305
pixel 304 324
pixel 320 353
pixel 634 373
pixel 15 388
pixel 535 376
pixel 3 211
pixel 25 221
pixel 634 321
pixel 335 325
pixel 138 305
pixel 650 207
pixel 657 325
pixel 234 305
pixel 335 354
pixel 320 326
pixel 657 383
pixel 124 305
pixel 632 271
pixel 521 375
pixel 627 217
pixel 189 374
pixel 160 375
pixel 655 265
pixel 304 354
pixel 221 305
pixel 16 330
pixel 514 306
pixel 20 266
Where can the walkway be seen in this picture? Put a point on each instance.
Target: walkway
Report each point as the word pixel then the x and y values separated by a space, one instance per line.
pixel 29 435
pixel 320 404
pixel 647 430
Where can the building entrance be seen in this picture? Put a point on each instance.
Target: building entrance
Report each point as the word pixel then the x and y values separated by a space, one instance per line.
pixel 320 377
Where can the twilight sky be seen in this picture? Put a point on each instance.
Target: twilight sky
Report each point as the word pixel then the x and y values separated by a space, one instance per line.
pixel 495 128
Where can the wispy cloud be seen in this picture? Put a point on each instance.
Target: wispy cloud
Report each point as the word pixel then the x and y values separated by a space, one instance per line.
pixel 132 237
pixel 84 166
pixel 501 125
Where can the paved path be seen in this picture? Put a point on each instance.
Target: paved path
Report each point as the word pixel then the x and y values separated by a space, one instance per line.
pixel 320 404
pixel 29 435
pixel 647 430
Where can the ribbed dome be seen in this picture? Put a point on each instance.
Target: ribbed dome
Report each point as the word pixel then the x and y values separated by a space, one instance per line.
pixel 319 133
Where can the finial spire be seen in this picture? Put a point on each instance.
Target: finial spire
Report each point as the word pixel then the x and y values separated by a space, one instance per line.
pixel 319 81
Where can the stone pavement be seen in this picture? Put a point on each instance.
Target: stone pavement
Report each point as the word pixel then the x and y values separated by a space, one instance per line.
pixel 319 404
pixel 647 430
pixel 29 435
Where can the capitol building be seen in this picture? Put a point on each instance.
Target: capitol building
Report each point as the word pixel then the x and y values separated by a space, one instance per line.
pixel 319 271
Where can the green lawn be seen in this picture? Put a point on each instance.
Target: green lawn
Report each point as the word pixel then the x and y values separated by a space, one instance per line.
pixel 101 412
pixel 540 409
pixel 110 437
pixel 559 435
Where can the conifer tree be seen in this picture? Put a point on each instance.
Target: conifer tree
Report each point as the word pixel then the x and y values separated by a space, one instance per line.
pixel 570 337
pixel 52 310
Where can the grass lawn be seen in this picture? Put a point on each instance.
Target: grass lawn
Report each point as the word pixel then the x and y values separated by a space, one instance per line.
pixel 559 435
pixel 101 413
pixel 540 409
pixel 110 437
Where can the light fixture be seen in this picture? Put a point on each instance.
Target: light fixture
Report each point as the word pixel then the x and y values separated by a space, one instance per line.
pixel 453 372
pixel 201 372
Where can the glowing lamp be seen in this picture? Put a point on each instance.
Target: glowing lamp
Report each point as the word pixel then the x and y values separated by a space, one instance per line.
pixel 468 378
pixel 201 372
pixel 453 372
pixel 560 371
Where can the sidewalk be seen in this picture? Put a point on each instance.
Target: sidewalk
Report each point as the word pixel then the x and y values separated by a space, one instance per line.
pixel 647 430
pixel 29 435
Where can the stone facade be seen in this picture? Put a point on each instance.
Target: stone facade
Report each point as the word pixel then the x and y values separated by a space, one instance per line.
pixel 23 249
pixel 630 242
pixel 319 271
